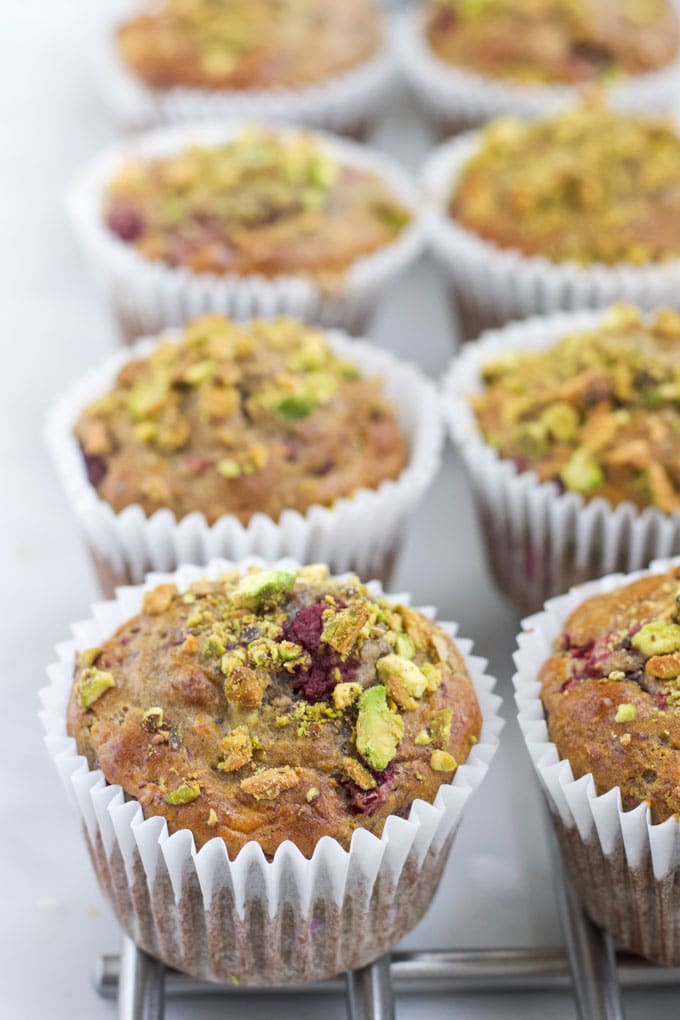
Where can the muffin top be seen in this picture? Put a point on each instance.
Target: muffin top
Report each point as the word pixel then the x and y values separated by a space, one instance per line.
pixel 554 42
pixel 266 202
pixel 598 412
pixel 239 418
pixel 248 44
pixel 275 705
pixel 589 185
pixel 611 692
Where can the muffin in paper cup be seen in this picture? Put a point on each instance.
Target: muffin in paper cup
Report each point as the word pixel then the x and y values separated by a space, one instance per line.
pixel 348 102
pixel 490 285
pixel 260 921
pixel 539 540
pixel 459 98
pixel 151 295
pixel 623 863
pixel 362 532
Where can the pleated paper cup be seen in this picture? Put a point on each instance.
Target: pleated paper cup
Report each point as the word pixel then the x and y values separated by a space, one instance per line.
pixel 362 532
pixel 458 98
pixel 540 541
pixel 623 866
pixel 348 103
pixel 256 921
pixel 148 296
pixel 490 286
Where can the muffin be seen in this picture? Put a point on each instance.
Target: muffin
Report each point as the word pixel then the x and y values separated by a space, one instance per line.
pixel 569 429
pixel 315 742
pixel 327 65
pixel 244 220
pixel 267 437
pixel 554 41
pixel 570 211
pixel 470 62
pixel 600 667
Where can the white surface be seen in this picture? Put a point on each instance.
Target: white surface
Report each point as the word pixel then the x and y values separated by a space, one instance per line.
pixel 53 921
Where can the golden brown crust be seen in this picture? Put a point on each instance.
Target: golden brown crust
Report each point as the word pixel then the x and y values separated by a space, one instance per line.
pixel 607 712
pixel 157 708
pixel 248 44
pixel 554 41
pixel 240 419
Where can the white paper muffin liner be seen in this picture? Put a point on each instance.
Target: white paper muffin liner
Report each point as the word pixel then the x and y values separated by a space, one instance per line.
pixel 541 541
pixel 492 285
pixel 459 98
pixel 624 867
pixel 361 532
pixel 260 922
pixel 348 102
pixel 150 296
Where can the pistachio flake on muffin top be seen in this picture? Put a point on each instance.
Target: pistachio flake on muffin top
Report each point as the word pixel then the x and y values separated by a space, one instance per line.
pixel 279 704
pixel 248 44
pixel 590 185
pixel 239 419
pixel 611 692
pixel 546 42
pixel 268 202
pixel 598 412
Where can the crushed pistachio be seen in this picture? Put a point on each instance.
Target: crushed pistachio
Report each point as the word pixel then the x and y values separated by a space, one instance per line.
pixel 345 694
pixel 442 761
pixel 270 783
pixel 237 750
pixel 657 638
pixel 379 729
pixel 183 794
pixel 405 646
pixel 625 712
pixel 263 587
pixel 343 629
pixel 422 738
pixel 92 684
pixel 312 794
pixel 404 681
pixel 359 774
pixel 440 727
pixel 152 719
pixel 211 820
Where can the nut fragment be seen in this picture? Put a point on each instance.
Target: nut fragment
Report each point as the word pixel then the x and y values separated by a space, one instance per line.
pixel 267 785
pixel 358 774
pixel 237 749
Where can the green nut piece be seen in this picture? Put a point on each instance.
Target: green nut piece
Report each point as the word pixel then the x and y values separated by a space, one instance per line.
pixel 440 727
pixel 288 651
pixel 228 468
pixel 345 694
pixel 200 372
pixel 379 729
pixel 422 738
pixel 146 400
pixel 213 646
pixel 184 794
pixel 263 587
pixel 293 407
pixel 405 646
pixel 625 712
pixel 442 761
pixel 312 794
pixel 658 638
pixel 561 421
pixel 402 678
pixel 343 629
pixel 582 473
pixel 92 684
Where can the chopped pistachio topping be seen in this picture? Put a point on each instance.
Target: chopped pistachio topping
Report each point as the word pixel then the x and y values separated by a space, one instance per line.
pixel 264 587
pixel 379 729
pixel 582 473
pixel 212 818
pixel 271 783
pixel 404 646
pixel 442 761
pixel 237 750
pixel 342 630
pixel 312 794
pixel 345 694
pixel 183 794
pixel 403 680
pixel 422 738
pixel 658 638
pixel 625 712
pixel 359 774
pixel 92 684
pixel 440 727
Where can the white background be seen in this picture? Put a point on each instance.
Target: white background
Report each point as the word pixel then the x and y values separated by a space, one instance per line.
pixel 497 890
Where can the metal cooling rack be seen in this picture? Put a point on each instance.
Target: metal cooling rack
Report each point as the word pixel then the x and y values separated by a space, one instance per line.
pixel 590 967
